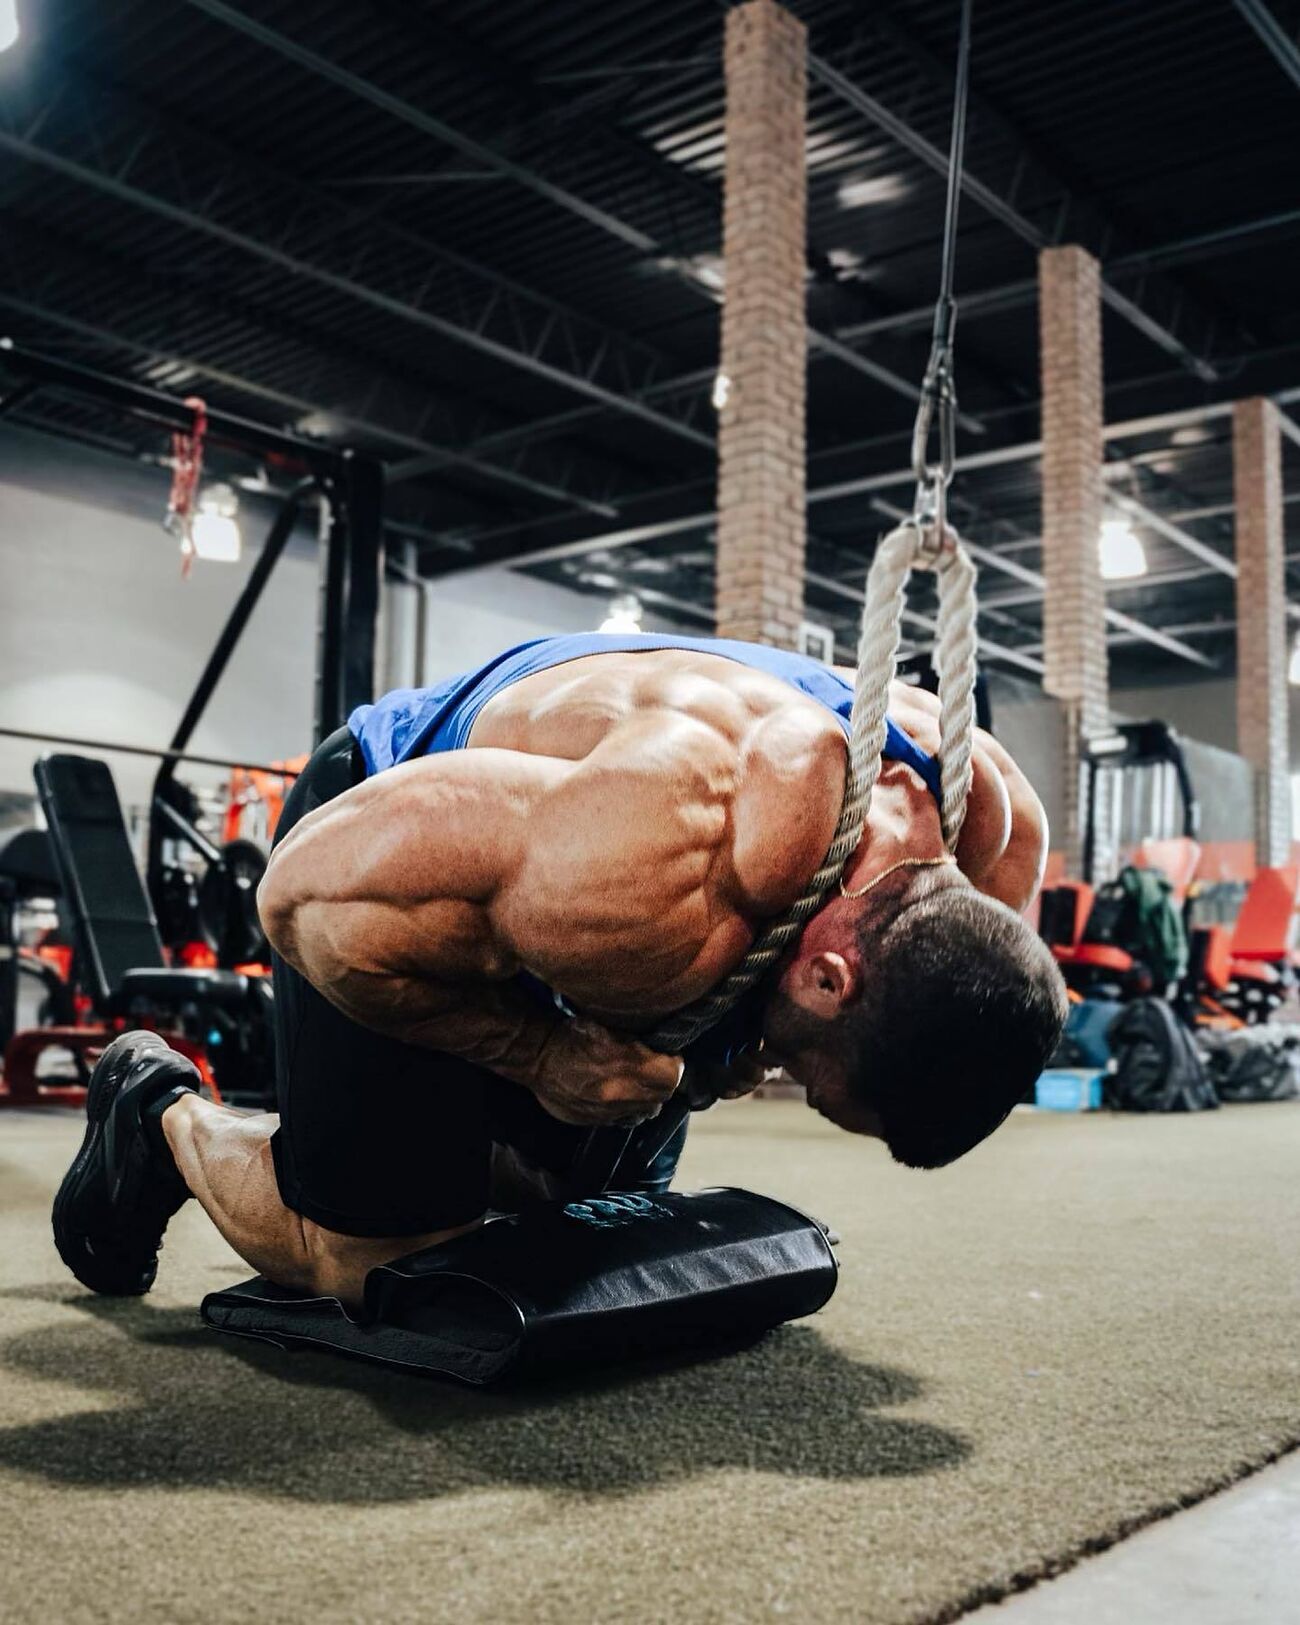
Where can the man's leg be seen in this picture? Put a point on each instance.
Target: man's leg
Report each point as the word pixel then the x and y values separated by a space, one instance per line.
pixel 226 1160
pixel 377 1148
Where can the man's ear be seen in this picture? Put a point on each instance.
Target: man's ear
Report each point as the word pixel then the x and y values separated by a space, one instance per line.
pixel 824 983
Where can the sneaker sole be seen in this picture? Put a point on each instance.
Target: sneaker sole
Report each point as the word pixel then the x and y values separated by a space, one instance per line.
pixel 111 1071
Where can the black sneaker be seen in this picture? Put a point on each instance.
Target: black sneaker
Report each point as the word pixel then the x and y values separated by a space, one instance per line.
pixel 123 1187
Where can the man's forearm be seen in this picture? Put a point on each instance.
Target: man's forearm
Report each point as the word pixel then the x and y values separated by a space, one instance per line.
pixel 579 1071
pixel 493 1024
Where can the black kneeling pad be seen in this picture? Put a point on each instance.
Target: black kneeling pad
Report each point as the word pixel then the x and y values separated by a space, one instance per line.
pixel 564 1283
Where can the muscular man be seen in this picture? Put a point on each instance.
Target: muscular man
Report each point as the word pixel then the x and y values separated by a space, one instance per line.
pixel 480 894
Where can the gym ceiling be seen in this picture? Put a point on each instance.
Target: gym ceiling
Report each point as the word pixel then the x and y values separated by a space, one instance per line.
pixel 482 239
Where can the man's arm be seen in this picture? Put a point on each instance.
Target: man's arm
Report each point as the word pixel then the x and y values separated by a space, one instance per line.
pixel 1014 875
pixel 391 900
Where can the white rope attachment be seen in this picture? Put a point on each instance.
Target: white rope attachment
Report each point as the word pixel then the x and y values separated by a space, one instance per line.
pixel 911 545
pixel 955 659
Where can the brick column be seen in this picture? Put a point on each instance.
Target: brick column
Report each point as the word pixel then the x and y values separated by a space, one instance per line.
pixel 761 521
pixel 1261 622
pixel 1074 624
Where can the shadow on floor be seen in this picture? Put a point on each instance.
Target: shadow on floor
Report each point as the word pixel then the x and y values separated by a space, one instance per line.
pixel 197 1410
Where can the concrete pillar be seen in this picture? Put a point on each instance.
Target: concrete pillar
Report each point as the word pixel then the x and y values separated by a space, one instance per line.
pixel 1261 621
pixel 761 453
pixel 1074 624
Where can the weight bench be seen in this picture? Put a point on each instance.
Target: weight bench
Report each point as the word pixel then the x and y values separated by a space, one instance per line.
pixel 219 1019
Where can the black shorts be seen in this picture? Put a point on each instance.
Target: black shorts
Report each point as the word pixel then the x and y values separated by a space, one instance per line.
pixel 380 1138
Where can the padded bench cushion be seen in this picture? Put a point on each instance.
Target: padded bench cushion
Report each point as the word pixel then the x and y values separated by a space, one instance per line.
pixel 172 987
pixel 564 1284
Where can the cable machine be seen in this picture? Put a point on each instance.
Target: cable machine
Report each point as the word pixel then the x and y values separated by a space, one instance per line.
pixel 346 485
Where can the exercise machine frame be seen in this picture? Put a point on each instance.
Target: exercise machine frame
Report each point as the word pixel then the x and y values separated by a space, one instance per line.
pixel 349 487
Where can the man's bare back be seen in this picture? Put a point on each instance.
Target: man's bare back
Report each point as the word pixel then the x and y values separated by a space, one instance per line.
pixel 619 826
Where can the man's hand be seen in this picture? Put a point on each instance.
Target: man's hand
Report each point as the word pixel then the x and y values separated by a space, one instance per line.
pixel 590 1077
pixel 740 1078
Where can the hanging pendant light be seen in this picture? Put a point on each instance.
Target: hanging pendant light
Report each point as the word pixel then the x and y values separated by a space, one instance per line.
pixel 1120 551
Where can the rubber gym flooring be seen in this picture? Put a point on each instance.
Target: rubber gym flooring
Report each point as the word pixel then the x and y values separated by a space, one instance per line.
pixel 1088 1323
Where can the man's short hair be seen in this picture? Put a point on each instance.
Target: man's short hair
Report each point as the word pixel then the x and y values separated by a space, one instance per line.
pixel 961 1007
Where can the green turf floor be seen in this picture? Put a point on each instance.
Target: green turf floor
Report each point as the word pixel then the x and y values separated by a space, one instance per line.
pixel 1089 1322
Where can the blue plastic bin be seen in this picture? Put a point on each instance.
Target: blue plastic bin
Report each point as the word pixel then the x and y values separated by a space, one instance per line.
pixel 1069 1089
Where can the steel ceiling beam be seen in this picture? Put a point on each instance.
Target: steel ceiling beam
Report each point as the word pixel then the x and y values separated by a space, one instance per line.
pixel 419 119
pixel 1026 450
pixel 529 177
pixel 986 646
pixel 1023 451
pixel 981 302
pixel 1003 210
pixel 1190 544
pixel 1017 295
pixel 1218 510
pixel 1204 628
pixel 285 222
pixel 1279 44
pixel 1289 427
pixel 349 423
pixel 1157 578
pixel 50 272
pixel 1198 549
pixel 1034 578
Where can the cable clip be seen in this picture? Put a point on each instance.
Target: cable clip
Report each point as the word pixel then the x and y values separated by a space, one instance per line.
pixel 937 409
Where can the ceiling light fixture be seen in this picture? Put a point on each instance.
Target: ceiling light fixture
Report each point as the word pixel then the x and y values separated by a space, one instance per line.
pixel 624 614
pixel 1120 551
pixel 721 391
pixel 215 530
pixel 9 25
pixel 860 191
pixel 1293 669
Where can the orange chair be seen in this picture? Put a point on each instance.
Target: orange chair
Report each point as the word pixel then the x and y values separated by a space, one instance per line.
pixel 1249 970
pixel 1215 952
pixel 1265 929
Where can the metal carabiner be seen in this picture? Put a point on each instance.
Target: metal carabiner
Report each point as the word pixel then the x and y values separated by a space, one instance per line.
pixel 938 400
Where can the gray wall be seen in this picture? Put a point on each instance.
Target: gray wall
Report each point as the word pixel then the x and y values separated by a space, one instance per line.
pixel 477 614
pixel 100 637
pixel 1031 726
pixel 1201 710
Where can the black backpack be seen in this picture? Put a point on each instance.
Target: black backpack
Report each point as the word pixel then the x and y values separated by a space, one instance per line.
pixel 1258 1063
pixel 1155 1066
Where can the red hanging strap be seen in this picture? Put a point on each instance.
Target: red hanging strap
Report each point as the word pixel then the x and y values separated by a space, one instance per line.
pixel 187 470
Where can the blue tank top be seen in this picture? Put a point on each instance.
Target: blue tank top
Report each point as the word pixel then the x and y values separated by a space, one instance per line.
pixel 411 722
